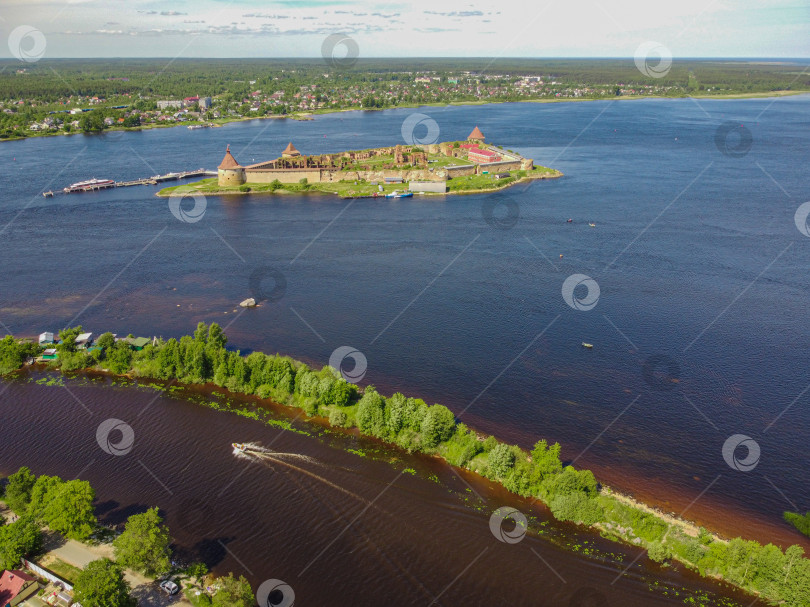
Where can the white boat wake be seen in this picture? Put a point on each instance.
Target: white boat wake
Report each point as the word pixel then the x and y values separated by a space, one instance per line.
pixel 253 452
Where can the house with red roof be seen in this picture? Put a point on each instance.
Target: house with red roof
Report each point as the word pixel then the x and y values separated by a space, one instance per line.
pixel 15 587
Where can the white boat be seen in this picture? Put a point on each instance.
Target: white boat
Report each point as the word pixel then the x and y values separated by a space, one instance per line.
pixel 587 345
pixel 239 447
pixel 90 184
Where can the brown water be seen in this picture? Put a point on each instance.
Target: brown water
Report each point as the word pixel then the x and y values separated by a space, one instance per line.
pixel 340 528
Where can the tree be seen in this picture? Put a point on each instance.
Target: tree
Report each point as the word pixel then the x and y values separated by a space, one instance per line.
pixel 105 341
pixel 21 538
pixel 42 493
pixel 546 459
pixel 144 544
pixel 18 490
pixel 437 426
pixel 233 592
pixel 201 333
pixel 102 584
pixel 216 336
pixel 14 353
pixel 501 460
pixel 370 415
pixel 67 339
pixel 70 509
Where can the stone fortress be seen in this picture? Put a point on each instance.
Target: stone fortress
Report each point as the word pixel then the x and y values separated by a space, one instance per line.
pixel 408 163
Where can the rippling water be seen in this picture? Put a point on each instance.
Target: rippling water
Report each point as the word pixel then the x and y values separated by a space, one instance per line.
pixel 367 527
pixel 696 254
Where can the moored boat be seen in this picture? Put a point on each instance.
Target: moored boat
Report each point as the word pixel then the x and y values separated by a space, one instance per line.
pixel 398 194
pixel 89 185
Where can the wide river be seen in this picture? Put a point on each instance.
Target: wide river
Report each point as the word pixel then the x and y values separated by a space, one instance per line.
pixel 698 334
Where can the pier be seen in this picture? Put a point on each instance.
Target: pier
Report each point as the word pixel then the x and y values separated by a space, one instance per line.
pixel 154 180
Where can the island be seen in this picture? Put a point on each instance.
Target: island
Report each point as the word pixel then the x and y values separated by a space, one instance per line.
pixel 450 167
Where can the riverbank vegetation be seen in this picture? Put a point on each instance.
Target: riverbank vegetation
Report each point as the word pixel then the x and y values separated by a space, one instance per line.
pixel 410 423
pixel 800 521
pixel 48 502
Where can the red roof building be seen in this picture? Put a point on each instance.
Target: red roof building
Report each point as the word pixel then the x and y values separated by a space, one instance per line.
pixel 229 162
pixel 16 586
pixel 478 156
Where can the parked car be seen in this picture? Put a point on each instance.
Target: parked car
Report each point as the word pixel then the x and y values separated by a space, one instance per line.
pixel 169 587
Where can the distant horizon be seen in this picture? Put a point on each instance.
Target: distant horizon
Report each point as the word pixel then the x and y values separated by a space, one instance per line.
pixel 420 57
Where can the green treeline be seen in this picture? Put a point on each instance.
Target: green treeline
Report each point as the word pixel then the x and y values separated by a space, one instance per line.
pixel 239 77
pixel 410 423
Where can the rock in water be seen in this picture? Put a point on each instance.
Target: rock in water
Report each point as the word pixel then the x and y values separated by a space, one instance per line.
pixel 248 303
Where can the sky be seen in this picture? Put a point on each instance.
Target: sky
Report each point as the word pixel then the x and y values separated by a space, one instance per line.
pixel 448 28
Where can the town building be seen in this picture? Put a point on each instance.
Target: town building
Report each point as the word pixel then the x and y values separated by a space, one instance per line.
pixel 15 587
pixel 165 104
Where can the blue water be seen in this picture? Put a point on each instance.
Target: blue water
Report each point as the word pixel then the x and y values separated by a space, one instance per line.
pixel 695 252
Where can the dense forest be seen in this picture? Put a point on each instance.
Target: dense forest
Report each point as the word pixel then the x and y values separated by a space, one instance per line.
pixel 51 79
pixel 411 424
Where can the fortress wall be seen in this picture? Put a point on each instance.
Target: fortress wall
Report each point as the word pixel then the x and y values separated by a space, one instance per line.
pixel 283 175
pixel 460 171
pixel 504 165
pixel 379 176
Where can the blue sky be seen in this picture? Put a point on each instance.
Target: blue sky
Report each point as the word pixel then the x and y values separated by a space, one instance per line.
pixel 293 28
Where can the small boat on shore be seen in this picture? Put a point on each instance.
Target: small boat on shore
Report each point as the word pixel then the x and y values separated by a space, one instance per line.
pixel 587 345
pixel 239 447
pixel 398 194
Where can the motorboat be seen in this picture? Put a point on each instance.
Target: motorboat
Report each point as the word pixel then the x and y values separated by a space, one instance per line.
pixel 239 447
pixel 584 345
pixel 398 194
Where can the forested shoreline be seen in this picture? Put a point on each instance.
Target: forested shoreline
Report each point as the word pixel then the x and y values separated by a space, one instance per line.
pixel 411 424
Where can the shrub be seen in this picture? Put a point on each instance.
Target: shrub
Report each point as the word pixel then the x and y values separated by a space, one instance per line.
pixel 658 552
pixel 338 417
pixel 576 507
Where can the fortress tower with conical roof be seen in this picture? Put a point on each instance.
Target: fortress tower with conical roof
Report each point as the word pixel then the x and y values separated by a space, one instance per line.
pixel 230 172
pixel 476 135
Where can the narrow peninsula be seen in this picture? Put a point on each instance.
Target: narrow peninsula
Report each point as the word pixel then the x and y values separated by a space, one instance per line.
pixel 450 167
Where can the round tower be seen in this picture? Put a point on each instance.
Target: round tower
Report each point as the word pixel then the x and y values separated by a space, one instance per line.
pixel 230 172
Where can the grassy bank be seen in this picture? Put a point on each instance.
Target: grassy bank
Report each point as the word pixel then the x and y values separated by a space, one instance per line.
pixel 574 495
pixel 350 189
